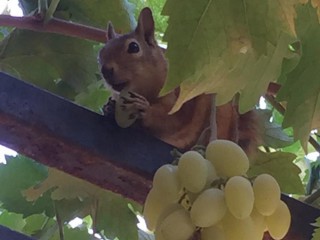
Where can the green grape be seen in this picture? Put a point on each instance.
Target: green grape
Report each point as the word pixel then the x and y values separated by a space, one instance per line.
pixel 209 208
pixel 192 171
pixel 124 117
pixel 259 221
pixel 266 193
pixel 279 222
pixel 167 182
pixel 239 197
pixel 227 158
pixel 240 229
pixel 176 226
pixel 154 205
pixel 213 232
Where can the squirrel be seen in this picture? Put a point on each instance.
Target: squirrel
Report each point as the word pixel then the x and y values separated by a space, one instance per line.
pixel 134 61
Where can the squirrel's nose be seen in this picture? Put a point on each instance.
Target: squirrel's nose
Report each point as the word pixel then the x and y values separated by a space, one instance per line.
pixel 107 72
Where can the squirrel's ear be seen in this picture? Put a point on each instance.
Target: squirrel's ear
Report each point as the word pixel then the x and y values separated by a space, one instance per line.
pixel 146 26
pixel 110 31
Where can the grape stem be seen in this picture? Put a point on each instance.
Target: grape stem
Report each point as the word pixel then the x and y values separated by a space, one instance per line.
pixel 213 119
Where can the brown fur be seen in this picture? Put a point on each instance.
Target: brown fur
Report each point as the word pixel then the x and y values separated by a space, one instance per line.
pixel 145 73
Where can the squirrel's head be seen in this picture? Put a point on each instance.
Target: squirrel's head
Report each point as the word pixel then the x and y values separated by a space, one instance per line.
pixel 134 61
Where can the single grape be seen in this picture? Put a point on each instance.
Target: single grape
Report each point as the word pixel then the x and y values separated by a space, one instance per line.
pixel 279 222
pixel 213 232
pixel 167 182
pixel 209 208
pixel 259 221
pixel 192 171
pixel 227 158
pixel 176 226
pixel 240 229
pixel 154 205
pixel 239 197
pixel 124 117
pixel 266 193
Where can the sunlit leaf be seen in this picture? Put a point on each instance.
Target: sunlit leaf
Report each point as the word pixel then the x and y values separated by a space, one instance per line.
pixel 280 165
pixel 18 174
pixel 206 52
pixel 302 88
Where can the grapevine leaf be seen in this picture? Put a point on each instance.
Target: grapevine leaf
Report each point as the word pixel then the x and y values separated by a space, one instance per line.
pixel 112 212
pixel 205 52
pixel 69 209
pixel 280 165
pixel 60 64
pixel 115 218
pixel 94 97
pixel 91 12
pixel 20 173
pixel 64 186
pixel 34 223
pixel 74 233
pixel 99 12
pixel 272 133
pixel 12 220
pixel 304 99
pixel 316 233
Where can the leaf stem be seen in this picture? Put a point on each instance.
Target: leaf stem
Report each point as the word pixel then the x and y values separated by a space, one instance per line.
pixel 59 221
pixel 213 120
pixel 271 99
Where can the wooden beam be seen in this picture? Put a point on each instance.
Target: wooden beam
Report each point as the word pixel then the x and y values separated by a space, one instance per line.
pixel 60 134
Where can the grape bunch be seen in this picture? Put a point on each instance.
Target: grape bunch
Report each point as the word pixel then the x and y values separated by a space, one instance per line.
pixel 211 198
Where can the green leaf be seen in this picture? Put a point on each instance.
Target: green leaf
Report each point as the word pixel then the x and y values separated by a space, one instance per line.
pixel 302 88
pixel 95 96
pixel 98 12
pixel 63 65
pixel 34 223
pixel 280 165
pixel 272 133
pixel 64 186
pixel 12 220
pixel 111 214
pixel 74 233
pixel 115 218
pixel 18 174
pixel 91 12
pixel 206 52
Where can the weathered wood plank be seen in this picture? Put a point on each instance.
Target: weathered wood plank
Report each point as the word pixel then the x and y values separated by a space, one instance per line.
pixel 73 139
pixel 63 135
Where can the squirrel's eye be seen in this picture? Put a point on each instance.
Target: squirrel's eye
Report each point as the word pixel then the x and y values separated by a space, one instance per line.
pixel 133 47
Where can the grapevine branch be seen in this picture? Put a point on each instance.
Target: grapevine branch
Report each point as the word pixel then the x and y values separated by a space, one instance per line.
pixel 271 99
pixel 54 25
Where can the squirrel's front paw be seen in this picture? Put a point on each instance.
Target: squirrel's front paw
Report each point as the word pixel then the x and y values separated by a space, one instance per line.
pixel 135 103
pixel 109 108
pixel 129 107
